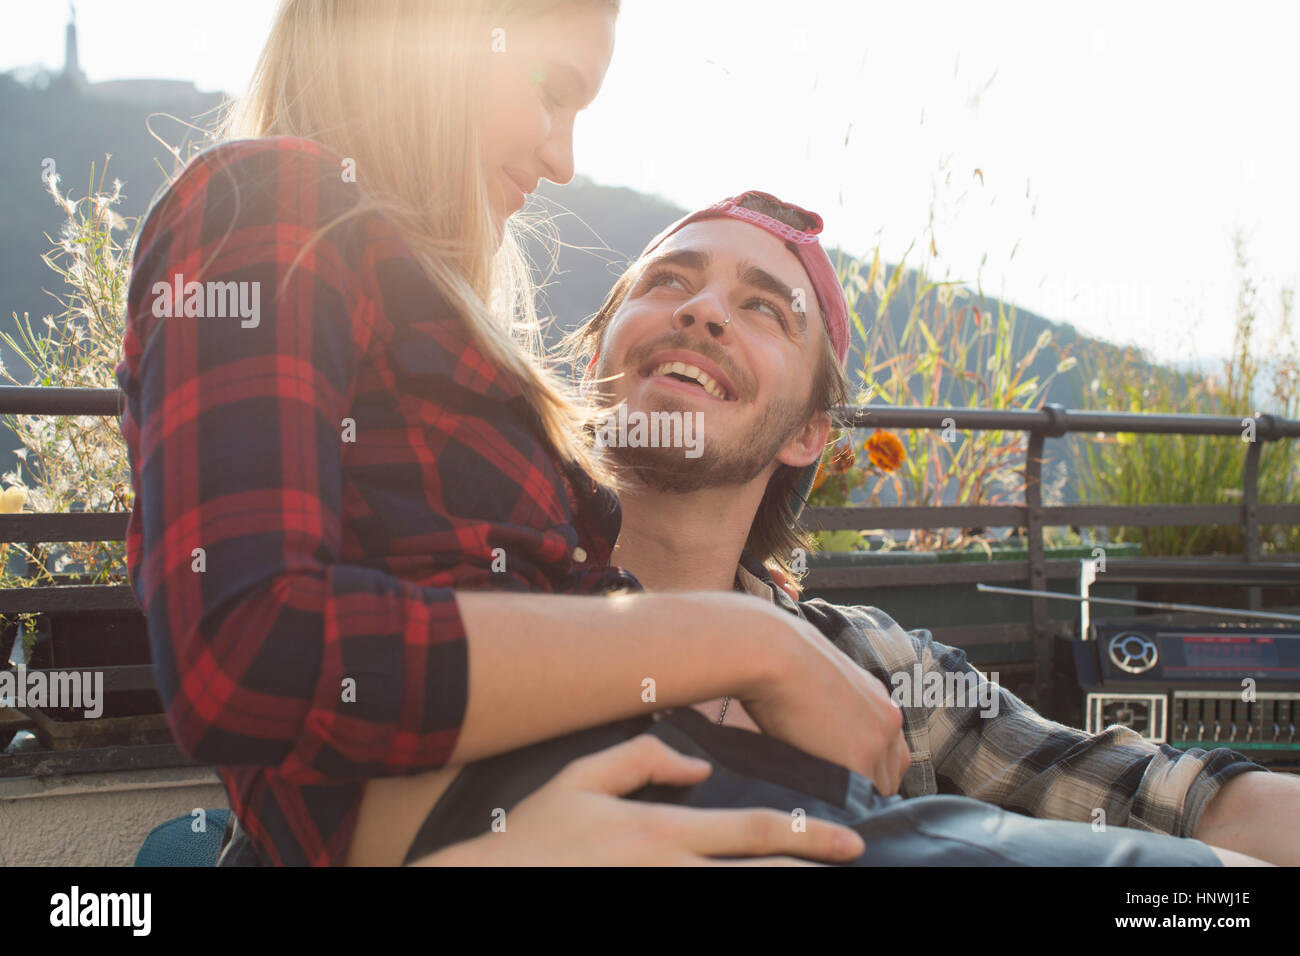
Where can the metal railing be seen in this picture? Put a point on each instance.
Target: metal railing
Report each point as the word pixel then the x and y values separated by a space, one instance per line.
pixel 1055 421
pixel 1050 421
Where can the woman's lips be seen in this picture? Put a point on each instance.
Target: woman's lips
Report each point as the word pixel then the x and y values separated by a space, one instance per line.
pixel 515 197
pixel 517 189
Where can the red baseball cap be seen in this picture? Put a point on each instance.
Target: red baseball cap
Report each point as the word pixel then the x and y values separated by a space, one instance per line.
pixel 803 243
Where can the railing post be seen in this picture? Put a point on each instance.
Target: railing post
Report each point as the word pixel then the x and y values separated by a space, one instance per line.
pixel 1037 563
pixel 1250 507
pixel 1038 614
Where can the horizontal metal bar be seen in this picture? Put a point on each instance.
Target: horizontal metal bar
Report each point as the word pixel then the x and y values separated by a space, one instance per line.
pixel 34 400
pixel 71 597
pixel 74 526
pixel 1164 515
pixel 1146 570
pixel 872 577
pixel 46 763
pixel 1267 427
pixel 119 677
pixel 31 400
pixel 1014 516
pixel 1144 516
pixel 1154 605
pixel 941 516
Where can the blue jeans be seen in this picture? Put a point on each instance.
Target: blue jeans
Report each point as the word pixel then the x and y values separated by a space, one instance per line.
pixel 753 770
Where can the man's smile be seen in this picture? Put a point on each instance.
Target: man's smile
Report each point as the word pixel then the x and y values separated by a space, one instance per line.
pixel 690 372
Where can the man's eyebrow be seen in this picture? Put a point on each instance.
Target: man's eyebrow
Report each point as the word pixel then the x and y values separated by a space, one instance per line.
pixel 751 274
pixel 685 258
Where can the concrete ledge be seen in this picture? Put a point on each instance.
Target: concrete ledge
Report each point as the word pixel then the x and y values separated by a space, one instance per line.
pixel 96 819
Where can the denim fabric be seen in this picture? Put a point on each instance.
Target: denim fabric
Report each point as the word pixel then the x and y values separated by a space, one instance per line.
pixel 752 770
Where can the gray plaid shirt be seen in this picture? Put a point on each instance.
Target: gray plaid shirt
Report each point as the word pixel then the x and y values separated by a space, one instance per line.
pixel 1015 758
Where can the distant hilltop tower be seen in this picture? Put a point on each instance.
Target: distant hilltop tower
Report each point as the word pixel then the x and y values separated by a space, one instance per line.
pixel 72 75
pixel 176 96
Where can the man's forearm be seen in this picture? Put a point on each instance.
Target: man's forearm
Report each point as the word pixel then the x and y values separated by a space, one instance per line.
pixel 1257 814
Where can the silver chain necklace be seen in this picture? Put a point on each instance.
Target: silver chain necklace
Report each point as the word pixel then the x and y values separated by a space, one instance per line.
pixel 723 716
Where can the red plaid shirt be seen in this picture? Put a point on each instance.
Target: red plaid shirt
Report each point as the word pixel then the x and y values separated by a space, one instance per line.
pixel 314 478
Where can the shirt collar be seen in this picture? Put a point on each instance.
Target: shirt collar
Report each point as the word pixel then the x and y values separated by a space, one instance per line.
pixel 753 578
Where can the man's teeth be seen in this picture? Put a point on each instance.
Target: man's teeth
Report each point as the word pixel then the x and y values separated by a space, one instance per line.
pixel 691 371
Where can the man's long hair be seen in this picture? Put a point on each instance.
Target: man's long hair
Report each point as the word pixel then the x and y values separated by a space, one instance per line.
pixel 774 535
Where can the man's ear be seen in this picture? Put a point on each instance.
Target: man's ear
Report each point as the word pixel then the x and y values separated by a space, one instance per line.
pixel 807 445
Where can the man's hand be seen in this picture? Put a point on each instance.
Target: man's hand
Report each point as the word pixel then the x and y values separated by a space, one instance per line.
pixel 580 819
pixel 1255 813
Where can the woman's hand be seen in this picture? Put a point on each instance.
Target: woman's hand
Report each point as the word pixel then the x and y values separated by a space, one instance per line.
pixel 820 701
pixel 580 819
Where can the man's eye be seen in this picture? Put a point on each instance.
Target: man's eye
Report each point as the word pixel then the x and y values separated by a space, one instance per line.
pixel 764 305
pixel 657 279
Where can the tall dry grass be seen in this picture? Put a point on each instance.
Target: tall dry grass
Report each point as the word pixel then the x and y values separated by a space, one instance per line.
pixel 1262 374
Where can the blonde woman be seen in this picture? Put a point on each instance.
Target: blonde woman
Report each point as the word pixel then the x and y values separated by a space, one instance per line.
pixel 368 536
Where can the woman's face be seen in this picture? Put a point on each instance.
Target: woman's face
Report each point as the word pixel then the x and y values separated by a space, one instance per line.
pixel 540 73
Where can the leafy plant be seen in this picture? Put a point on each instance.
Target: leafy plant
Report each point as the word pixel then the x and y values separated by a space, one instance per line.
pixel 74 463
pixel 952 353
pixel 1192 469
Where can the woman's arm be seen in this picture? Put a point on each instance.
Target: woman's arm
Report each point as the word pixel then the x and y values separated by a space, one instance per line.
pixel 543 665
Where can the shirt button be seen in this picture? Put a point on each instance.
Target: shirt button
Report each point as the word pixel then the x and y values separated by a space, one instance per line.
pixel 579 555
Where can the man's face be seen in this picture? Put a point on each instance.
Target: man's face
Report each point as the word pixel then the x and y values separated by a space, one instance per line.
pixel 757 369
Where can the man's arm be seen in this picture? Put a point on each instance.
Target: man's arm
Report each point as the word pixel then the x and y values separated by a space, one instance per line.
pixel 998 749
pixel 1256 814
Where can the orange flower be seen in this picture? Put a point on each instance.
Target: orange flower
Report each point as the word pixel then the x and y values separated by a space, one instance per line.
pixel 885 450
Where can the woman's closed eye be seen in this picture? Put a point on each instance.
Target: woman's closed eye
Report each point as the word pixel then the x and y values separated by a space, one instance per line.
pixel 553 102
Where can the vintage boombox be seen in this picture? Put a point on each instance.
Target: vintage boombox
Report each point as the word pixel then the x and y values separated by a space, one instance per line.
pixel 1207 686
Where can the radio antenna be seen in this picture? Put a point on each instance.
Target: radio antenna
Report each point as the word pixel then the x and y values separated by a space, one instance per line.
pixel 1156 605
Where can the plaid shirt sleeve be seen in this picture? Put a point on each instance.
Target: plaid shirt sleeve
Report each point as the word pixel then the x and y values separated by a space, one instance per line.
pixel 234 423
pixel 1000 750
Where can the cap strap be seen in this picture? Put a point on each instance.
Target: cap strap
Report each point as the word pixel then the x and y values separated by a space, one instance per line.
pixel 774 226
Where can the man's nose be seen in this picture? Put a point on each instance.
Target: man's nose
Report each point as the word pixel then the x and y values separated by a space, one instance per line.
pixel 706 310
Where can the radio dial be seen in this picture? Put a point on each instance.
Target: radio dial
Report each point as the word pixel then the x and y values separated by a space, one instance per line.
pixel 1133 653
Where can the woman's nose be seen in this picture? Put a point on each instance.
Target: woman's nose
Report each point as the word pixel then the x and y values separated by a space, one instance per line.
pixel 556 155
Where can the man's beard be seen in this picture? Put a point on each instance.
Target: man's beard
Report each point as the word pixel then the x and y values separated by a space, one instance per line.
pixel 735 463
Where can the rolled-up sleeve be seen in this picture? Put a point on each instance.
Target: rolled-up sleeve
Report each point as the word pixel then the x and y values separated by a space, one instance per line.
pixel 988 744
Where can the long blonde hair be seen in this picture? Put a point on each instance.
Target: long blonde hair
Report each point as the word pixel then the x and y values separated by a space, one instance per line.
pixel 391 85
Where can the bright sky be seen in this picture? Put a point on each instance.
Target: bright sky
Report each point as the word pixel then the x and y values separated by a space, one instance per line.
pixel 1121 144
